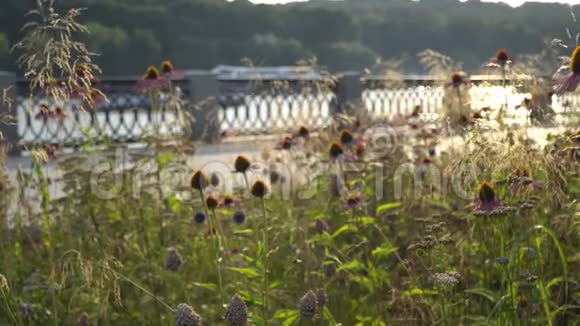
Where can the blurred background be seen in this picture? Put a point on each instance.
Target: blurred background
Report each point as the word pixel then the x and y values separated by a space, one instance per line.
pixel 344 35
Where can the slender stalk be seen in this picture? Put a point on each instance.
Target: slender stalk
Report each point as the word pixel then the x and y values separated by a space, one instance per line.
pixel 142 289
pixel 216 241
pixel 10 312
pixel 265 264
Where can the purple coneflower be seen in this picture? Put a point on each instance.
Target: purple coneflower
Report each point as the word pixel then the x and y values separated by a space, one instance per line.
pixel 285 144
pixel 457 79
pixel 259 189
pixel 502 59
pixel 152 81
pixel 570 83
pixel 199 180
pixel 303 132
pixel 354 201
pixel 44 113
pixel 335 150
pixel 169 71
pixel 522 181
pixel 360 150
pixel 229 201
pixel 59 113
pixel 488 201
pixel 211 202
pixel 346 137
pixel 242 164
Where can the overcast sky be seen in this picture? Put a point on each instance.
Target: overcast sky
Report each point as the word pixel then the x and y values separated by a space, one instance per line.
pixel 511 2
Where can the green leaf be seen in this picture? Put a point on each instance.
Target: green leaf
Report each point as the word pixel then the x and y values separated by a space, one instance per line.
pixel 386 207
pixel 276 284
pixel 208 286
pixel 290 321
pixel 488 294
pixel 554 282
pixel 367 220
pixel 244 232
pixel 344 229
pixel 173 204
pixel 327 316
pixel 285 313
pixel 250 299
pixel 384 251
pixel 352 266
pixel 417 291
pixel 249 272
pixel 260 249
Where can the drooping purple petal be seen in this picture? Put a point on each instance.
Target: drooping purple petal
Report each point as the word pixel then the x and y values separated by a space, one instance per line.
pixel 568 84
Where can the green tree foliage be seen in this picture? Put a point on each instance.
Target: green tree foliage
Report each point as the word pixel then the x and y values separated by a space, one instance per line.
pixel 4 51
pixel 131 34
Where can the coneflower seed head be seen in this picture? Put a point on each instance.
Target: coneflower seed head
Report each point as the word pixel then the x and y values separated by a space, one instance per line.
pixel 575 61
pixel 199 180
pixel 502 57
pixel 242 164
pixel 335 150
pixel 151 73
pixel 259 189
pixel 486 192
pixel 167 67
pixel 456 78
pixel 303 132
pixel 346 137
pixel 211 202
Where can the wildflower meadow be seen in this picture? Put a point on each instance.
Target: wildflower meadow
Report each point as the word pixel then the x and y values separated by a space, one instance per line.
pixel 465 219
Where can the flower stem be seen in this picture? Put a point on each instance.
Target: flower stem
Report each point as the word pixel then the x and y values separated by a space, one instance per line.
pixel 265 264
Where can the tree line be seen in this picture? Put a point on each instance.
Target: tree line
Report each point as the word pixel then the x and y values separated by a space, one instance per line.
pixel 129 35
